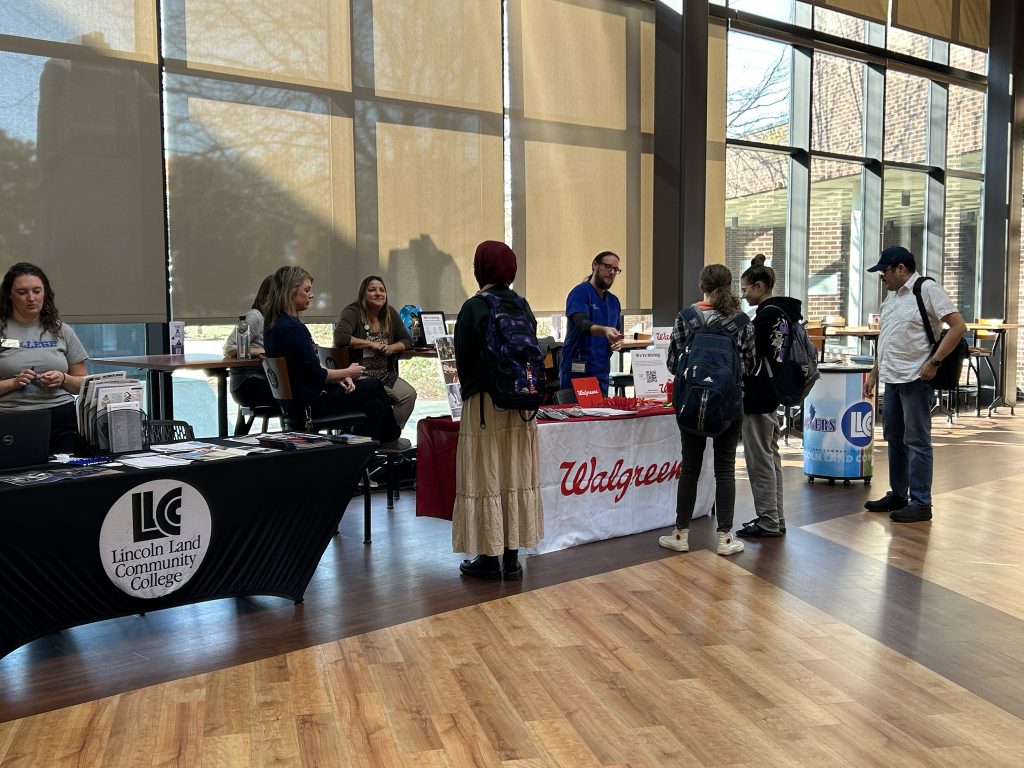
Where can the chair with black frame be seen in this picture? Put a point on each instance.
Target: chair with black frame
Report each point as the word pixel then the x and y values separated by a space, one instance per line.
pixel 565 396
pixel 978 352
pixel 247 417
pixel 816 333
pixel 338 357
pixel 295 419
pixel 552 358
pixel 830 321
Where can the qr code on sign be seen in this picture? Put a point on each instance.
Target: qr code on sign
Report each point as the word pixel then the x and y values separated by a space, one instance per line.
pixel 651 377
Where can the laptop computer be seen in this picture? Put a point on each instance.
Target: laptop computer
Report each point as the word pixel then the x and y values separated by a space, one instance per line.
pixel 24 438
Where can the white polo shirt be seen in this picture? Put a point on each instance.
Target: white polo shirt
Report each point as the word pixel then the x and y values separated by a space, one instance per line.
pixel 902 342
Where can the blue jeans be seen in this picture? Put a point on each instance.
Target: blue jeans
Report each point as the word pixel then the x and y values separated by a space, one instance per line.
pixel 907 427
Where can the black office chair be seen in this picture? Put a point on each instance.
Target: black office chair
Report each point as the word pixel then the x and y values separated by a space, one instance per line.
pixel 296 418
pixel 247 417
pixel 565 396
pixel 617 383
pixel 338 357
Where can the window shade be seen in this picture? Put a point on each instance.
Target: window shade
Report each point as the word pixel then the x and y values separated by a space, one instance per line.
pixel 873 10
pixel 581 104
pixel 959 21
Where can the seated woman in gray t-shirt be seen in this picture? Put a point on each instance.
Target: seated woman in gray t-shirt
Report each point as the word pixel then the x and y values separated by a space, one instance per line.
pixel 42 362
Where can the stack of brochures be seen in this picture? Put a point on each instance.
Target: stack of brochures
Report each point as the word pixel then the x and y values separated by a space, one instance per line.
pixel 109 412
pixel 293 441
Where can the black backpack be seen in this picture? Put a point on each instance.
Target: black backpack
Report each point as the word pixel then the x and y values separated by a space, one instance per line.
pixel 513 365
pixel 707 393
pixel 948 374
pixel 798 370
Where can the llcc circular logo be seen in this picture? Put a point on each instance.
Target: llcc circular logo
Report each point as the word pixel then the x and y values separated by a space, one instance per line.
pixel 155 537
pixel 859 424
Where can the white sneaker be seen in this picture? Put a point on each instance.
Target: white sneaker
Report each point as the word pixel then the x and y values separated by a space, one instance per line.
pixel 728 544
pixel 679 540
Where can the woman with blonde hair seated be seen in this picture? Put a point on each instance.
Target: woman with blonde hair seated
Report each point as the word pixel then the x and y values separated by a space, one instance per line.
pixel 324 391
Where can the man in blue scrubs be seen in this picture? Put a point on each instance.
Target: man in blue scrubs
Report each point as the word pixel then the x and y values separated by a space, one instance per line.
pixel 593 313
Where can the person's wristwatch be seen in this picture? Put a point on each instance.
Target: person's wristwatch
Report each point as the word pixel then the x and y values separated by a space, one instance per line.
pixel 935 363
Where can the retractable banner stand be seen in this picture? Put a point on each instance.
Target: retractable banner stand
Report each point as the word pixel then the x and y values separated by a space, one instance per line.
pixel 839 425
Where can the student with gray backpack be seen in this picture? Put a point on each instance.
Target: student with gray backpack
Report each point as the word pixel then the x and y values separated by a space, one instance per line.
pixel 777 339
pixel 711 348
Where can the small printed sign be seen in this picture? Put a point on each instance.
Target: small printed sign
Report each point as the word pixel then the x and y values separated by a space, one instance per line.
pixel 650 374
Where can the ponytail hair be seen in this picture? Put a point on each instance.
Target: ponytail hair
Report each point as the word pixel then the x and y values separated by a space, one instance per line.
pixel 757 272
pixel 716 281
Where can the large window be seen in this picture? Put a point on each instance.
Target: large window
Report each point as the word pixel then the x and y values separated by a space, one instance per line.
pixel 837 114
pixel 758 90
pixel 835 246
pixel 962 244
pixel 756 209
pixel 871 152
pixel 906 118
pixel 965 129
pixel 903 211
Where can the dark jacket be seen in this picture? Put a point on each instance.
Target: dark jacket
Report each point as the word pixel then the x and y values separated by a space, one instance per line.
pixel 290 339
pixel 470 332
pixel 771 331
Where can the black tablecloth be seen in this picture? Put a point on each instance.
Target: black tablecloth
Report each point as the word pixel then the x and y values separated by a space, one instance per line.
pixel 271 518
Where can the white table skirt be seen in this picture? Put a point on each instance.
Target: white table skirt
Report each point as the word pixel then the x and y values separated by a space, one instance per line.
pixel 601 479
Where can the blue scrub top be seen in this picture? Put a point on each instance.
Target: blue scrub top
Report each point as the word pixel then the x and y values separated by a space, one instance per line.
pixel 594 351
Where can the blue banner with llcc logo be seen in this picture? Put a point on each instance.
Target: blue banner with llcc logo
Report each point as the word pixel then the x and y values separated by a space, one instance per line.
pixel 839 425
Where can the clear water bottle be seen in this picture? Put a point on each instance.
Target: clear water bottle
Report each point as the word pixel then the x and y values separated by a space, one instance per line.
pixel 242 339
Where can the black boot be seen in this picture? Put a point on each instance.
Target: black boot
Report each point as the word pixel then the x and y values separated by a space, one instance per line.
pixel 511 570
pixel 482 566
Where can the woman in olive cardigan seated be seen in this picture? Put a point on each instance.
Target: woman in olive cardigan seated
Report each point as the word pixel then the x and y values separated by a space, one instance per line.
pixel 375 335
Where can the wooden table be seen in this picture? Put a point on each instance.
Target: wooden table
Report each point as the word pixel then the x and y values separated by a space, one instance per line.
pixel 162 367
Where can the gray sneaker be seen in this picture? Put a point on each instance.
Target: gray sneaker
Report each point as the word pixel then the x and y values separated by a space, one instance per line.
pixel 396 446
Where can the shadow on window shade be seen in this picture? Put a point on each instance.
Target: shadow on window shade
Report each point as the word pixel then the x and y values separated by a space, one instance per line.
pixel 257 177
pixel 87 188
pixel 305 42
pixel 580 82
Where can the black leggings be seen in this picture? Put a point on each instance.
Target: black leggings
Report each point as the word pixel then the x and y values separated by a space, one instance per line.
pixel 725 446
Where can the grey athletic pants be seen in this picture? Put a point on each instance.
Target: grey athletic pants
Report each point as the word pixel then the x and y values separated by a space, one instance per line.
pixel 764 467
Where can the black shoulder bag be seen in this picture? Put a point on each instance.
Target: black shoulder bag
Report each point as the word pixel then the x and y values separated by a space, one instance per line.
pixel 948 374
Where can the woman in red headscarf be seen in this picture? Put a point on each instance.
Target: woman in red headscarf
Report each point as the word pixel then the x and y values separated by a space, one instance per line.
pixel 497 466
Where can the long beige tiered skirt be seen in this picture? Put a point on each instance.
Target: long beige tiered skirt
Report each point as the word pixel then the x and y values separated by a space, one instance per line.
pixel 497 481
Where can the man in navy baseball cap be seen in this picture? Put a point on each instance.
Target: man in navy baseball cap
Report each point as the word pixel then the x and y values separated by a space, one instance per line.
pixel 894 254
pixel 905 363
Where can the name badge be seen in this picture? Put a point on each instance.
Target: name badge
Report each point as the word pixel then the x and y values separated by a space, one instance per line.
pixel 578 366
pixel 9 344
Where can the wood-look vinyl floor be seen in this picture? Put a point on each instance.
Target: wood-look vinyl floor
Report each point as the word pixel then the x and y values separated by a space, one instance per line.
pixel 853 641
pixel 689 660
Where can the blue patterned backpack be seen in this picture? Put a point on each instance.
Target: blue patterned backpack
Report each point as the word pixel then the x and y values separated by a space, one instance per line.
pixel 513 365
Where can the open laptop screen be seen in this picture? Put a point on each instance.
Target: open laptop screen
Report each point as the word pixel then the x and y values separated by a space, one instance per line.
pixel 24 438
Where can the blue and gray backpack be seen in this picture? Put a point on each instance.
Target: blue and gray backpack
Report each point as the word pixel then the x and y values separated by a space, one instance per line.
pixel 513 365
pixel 707 393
